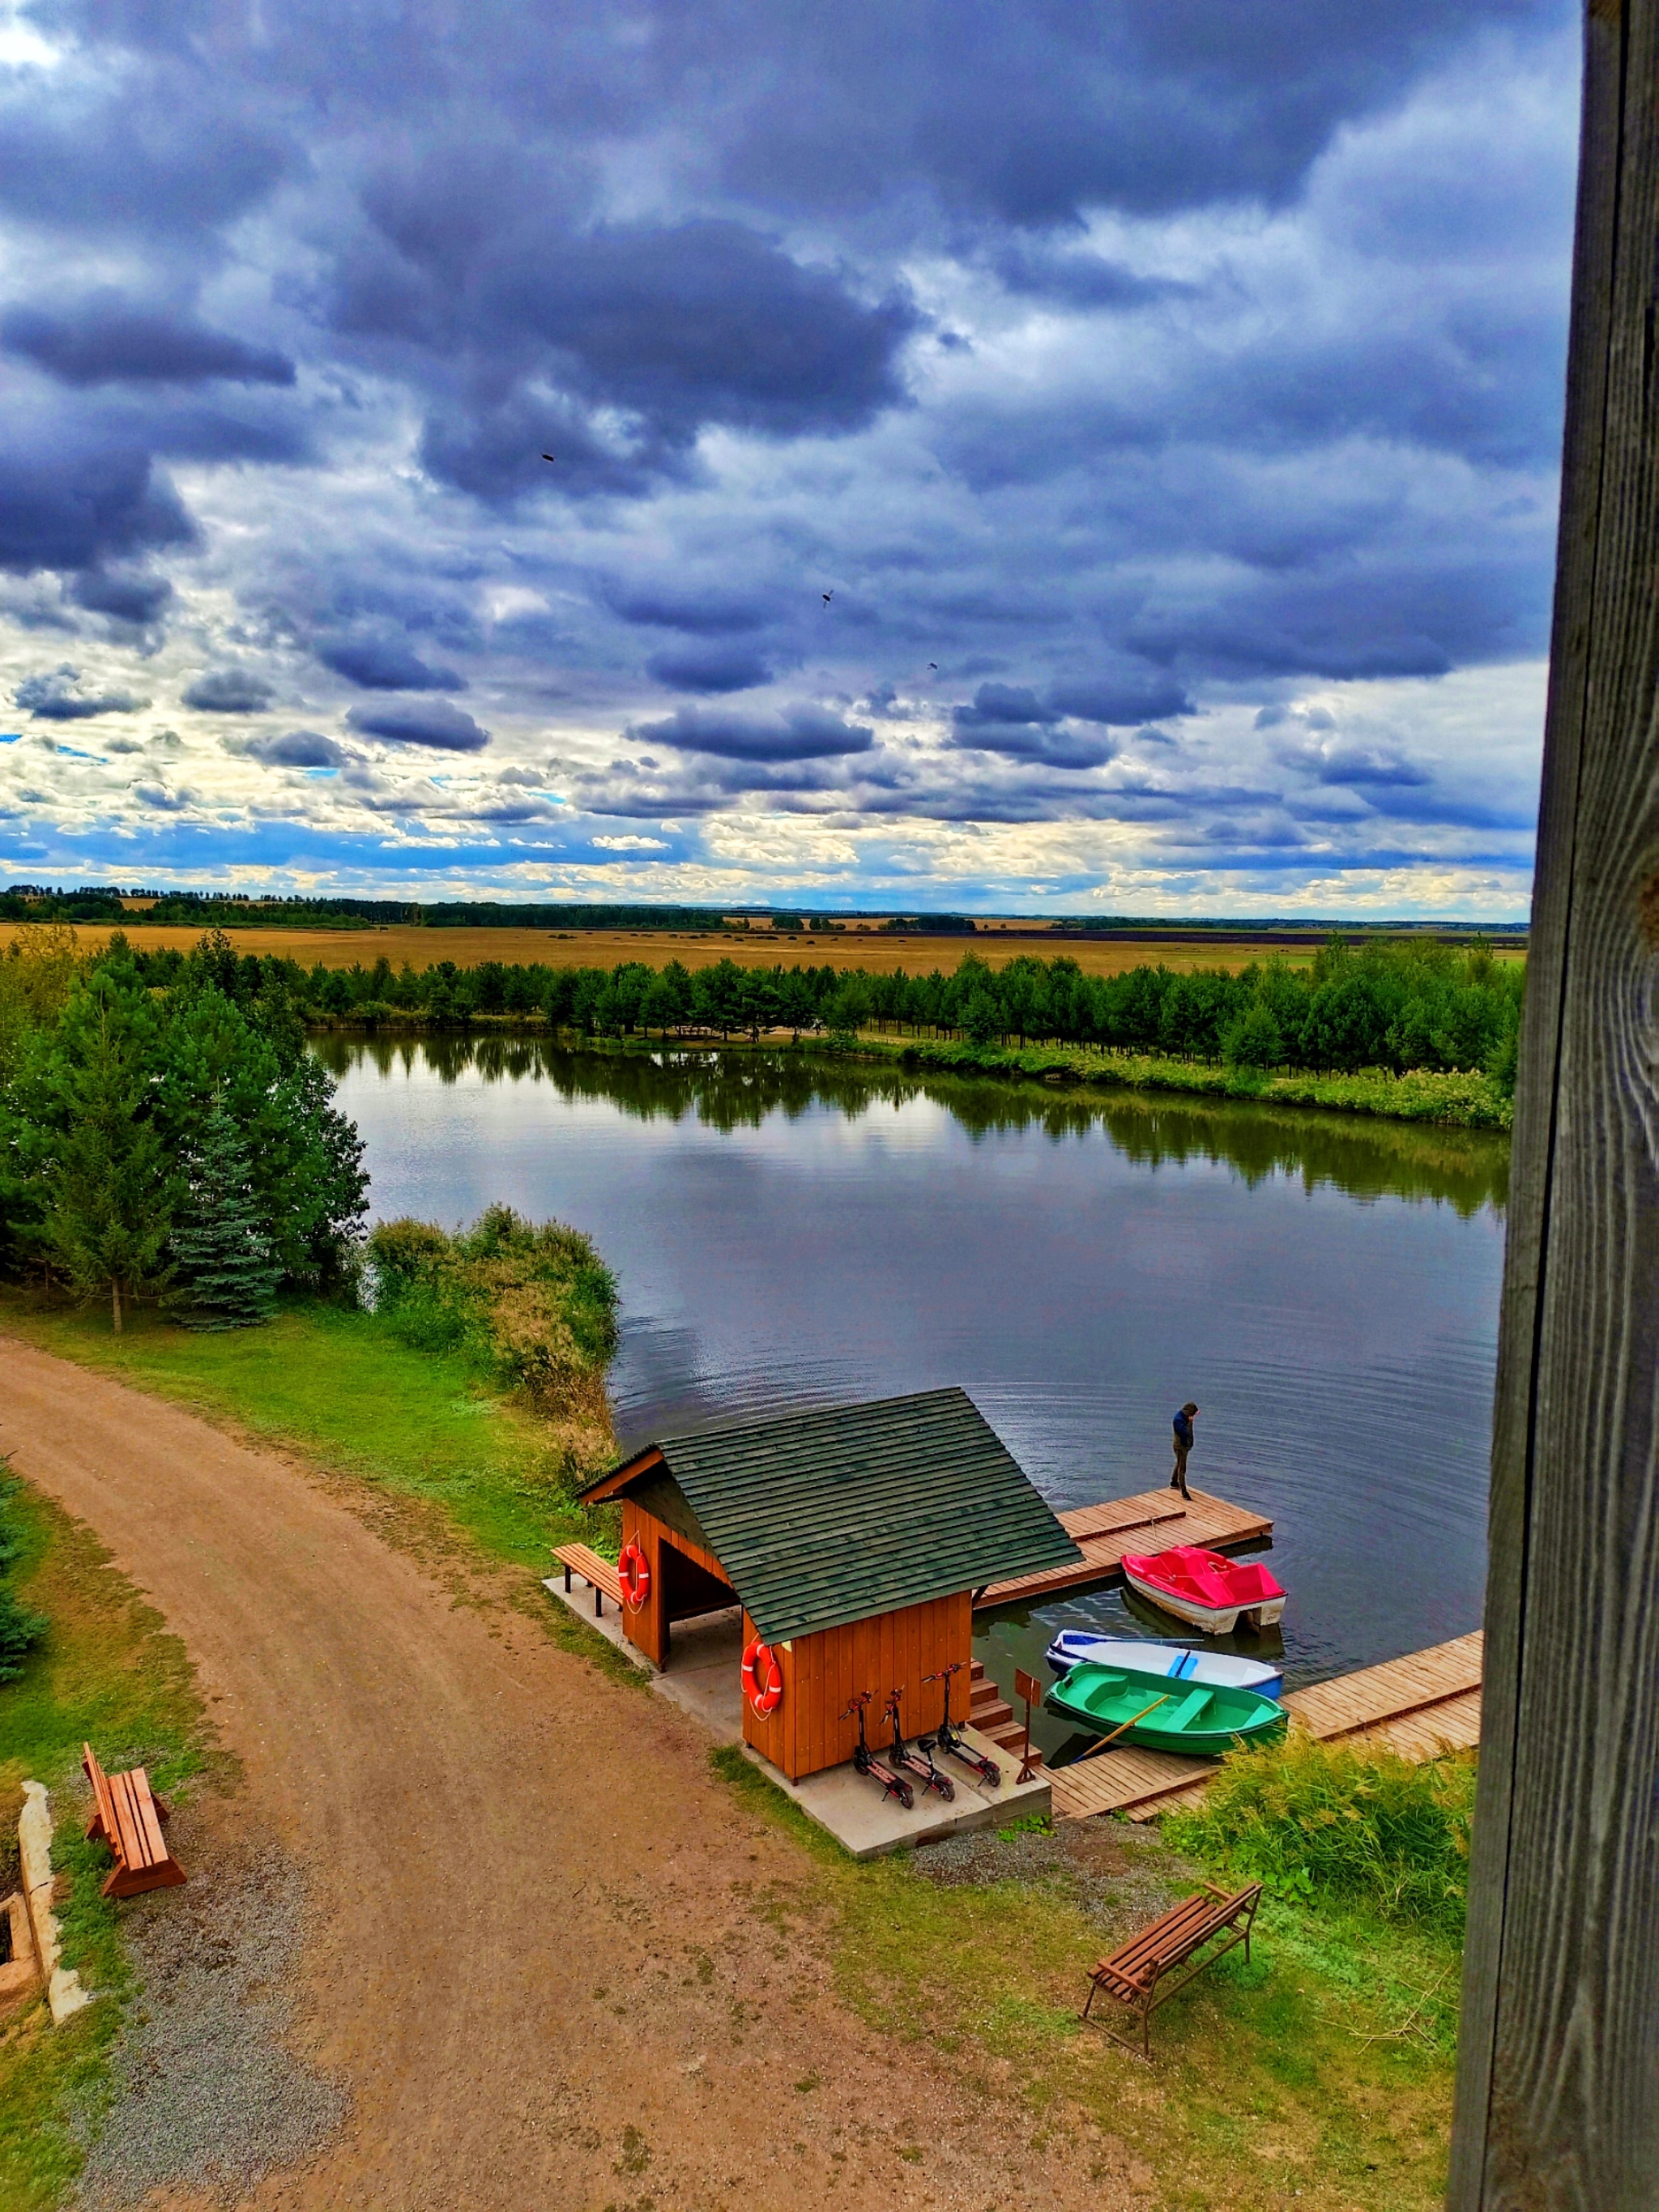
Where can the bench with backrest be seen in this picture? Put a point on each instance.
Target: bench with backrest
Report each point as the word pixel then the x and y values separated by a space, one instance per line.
pixel 599 1574
pixel 128 1815
pixel 1136 1974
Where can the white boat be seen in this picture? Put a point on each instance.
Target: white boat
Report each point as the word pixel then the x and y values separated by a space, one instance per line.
pixel 1072 1646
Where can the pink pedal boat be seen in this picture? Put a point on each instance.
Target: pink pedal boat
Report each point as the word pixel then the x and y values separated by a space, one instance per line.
pixel 1213 1592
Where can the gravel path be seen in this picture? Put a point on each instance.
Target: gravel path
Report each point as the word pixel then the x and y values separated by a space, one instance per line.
pixel 209 2094
pixel 553 1964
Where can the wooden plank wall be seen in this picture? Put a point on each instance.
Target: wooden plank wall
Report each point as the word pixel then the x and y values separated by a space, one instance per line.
pixel 649 1628
pixel 822 1671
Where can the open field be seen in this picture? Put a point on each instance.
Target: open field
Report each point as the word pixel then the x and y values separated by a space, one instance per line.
pixel 866 950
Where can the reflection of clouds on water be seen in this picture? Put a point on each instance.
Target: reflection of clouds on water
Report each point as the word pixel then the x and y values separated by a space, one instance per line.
pixel 791 1232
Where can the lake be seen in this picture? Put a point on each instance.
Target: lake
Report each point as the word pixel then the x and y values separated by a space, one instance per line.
pixel 789 1231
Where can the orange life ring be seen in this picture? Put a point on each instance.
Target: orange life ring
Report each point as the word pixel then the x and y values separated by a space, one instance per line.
pixel 634 1572
pixel 762 1677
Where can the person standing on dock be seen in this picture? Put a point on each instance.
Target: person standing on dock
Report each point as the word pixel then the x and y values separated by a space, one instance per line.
pixel 1183 1444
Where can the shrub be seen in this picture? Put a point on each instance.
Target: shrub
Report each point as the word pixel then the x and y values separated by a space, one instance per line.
pixel 20 1629
pixel 1355 1821
pixel 532 1304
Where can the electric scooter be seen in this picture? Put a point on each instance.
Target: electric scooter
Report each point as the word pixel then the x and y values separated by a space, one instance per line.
pixel 914 1758
pixel 893 1785
pixel 952 1741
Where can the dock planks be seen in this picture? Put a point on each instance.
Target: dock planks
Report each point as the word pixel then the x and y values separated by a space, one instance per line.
pixel 1417 1706
pixel 1151 1521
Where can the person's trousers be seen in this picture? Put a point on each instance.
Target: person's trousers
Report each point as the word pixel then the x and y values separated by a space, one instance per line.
pixel 1178 1480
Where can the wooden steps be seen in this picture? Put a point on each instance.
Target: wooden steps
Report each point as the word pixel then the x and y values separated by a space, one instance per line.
pixel 990 1712
pixel 1418 1706
pixel 1151 1521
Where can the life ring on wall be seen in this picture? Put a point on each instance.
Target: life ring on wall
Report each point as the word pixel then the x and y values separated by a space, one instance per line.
pixel 634 1572
pixel 762 1677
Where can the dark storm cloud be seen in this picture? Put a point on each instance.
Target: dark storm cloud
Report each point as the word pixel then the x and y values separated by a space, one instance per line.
pixel 442 728
pixel 681 325
pixel 719 667
pixel 137 599
pixel 700 614
pixel 68 502
pixel 1133 105
pixel 59 695
pixel 1012 720
pixel 104 339
pixel 792 733
pixel 228 691
pixel 385 663
pixel 295 749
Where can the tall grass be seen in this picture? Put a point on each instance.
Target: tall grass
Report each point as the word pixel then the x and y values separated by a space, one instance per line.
pixel 533 1305
pixel 1356 1821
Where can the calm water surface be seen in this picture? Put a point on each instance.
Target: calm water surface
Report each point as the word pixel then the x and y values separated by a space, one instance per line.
pixel 1326 1290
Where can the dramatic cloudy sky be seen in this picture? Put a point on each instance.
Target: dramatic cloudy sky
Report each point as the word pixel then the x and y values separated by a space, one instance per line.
pixel 1072 456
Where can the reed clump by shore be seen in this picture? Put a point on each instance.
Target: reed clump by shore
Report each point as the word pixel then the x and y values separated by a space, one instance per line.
pixel 1353 1823
pixel 532 1303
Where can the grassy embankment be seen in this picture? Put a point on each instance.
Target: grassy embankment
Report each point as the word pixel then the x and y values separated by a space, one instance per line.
pixel 106 1672
pixel 1324 2067
pixel 1465 1101
pixel 429 1442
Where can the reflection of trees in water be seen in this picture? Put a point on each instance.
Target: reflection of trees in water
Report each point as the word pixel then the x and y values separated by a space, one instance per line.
pixel 1367 1159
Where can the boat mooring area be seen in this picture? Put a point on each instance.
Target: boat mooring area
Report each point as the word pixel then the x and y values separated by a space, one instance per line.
pixel 1426 1702
pixel 701 1677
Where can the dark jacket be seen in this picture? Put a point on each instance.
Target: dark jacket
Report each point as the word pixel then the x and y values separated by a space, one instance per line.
pixel 1183 1430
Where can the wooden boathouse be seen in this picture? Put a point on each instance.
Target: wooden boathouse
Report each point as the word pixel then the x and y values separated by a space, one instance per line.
pixel 855 1539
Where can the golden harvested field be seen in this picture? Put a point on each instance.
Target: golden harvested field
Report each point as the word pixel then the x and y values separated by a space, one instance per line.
pixel 604 948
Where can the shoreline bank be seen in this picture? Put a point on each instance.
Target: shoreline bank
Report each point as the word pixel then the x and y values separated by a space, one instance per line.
pixel 1458 1101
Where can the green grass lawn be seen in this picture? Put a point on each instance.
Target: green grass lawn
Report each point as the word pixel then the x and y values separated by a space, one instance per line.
pixel 345 1391
pixel 1320 2073
pixel 108 1672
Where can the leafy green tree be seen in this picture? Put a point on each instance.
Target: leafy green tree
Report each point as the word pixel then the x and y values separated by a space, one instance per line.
pixel 219 1243
pixel 982 1016
pixel 1253 1039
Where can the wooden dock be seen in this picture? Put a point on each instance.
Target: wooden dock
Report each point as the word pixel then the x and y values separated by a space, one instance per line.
pixel 1417 1706
pixel 1151 1521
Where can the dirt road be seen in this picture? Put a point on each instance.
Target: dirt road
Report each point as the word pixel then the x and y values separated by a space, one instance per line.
pixel 548 1965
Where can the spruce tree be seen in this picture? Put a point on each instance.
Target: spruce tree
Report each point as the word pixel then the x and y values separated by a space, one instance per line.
pixel 108 1191
pixel 220 1244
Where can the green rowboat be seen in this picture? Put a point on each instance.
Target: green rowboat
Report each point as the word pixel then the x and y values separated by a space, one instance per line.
pixel 1201 1719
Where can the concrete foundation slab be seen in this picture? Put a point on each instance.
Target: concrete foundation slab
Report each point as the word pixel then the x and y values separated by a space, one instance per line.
pixel 702 1679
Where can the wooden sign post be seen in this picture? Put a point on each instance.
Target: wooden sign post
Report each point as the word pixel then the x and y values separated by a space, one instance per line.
pixel 1558 2086
pixel 1027 1686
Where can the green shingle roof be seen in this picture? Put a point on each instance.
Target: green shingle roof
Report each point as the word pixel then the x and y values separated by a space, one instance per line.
pixel 824 1517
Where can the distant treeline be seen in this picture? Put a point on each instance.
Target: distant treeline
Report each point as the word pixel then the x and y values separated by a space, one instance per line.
pixel 1395 1006
pixel 229 910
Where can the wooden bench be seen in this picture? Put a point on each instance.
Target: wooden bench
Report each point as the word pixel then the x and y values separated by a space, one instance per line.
pixel 128 1818
pixel 1135 1974
pixel 599 1574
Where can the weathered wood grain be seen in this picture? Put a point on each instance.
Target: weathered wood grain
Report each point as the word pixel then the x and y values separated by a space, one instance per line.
pixel 1557 2098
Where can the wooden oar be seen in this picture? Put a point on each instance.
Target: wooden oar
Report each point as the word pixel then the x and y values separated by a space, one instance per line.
pixel 1106 1742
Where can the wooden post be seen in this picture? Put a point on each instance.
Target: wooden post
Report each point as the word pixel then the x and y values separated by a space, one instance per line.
pixel 1558 2094
pixel 1027 1686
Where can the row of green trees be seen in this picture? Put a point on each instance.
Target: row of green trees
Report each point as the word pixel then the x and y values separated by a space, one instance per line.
pixel 176 1142
pixel 1400 1005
